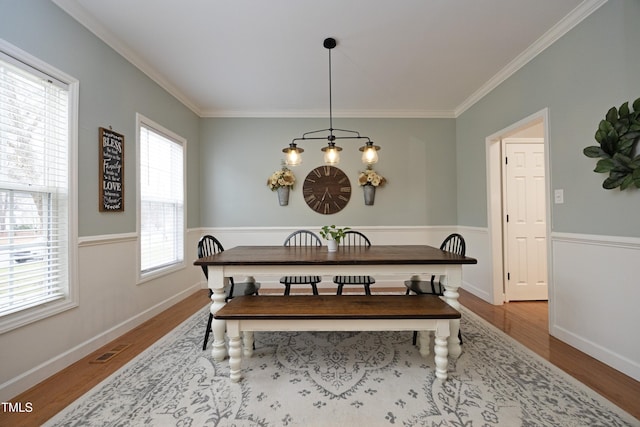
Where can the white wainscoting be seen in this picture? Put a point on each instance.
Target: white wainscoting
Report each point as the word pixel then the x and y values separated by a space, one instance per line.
pixel 110 304
pixel 593 297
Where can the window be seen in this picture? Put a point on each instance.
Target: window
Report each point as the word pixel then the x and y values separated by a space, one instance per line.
pixel 161 198
pixel 37 175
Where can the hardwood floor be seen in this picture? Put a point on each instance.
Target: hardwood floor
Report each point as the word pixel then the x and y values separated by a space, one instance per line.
pixel 524 321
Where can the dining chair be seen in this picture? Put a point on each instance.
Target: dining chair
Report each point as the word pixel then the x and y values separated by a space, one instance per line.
pixel 354 239
pixel 301 238
pixel 209 245
pixel 452 243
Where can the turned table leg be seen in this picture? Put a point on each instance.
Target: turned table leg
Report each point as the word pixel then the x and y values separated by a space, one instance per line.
pixel 424 340
pixel 452 282
pixel 216 284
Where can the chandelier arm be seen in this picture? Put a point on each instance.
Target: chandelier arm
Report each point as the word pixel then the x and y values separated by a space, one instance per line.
pixel 331 156
pixel 316 131
pixel 350 131
pixel 310 138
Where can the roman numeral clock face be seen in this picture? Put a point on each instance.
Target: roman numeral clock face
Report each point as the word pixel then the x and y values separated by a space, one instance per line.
pixel 326 190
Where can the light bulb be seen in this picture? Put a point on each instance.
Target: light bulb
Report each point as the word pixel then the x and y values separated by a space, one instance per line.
pixel 331 156
pixel 293 158
pixel 370 156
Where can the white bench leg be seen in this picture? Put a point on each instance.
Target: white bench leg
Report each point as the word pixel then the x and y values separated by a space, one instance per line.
pixel 441 349
pixel 442 361
pixel 235 351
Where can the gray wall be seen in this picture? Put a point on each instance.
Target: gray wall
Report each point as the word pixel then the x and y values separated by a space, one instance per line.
pixel 590 69
pixel 417 157
pixel 111 301
pixel 112 91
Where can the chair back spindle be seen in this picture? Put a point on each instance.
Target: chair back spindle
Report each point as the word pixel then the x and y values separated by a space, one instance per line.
pixel 208 245
pixel 454 243
pixel 354 239
pixel 302 238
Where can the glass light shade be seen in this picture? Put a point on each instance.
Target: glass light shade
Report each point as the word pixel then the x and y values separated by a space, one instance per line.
pixel 293 158
pixel 369 153
pixel 292 155
pixel 331 154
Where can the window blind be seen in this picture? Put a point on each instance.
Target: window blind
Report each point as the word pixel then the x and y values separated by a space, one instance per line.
pixel 161 200
pixel 34 177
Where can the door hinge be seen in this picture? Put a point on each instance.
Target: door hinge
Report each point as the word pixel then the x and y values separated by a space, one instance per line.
pixel 508 276
pixel 506 160
pixel 507 217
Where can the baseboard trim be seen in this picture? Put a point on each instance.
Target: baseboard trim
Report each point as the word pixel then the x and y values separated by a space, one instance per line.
pixel 619 362
pixel 30 378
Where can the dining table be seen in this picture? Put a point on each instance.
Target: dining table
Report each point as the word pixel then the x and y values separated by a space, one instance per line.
pixel 377 260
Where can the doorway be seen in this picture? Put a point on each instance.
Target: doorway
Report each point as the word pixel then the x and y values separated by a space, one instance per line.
pixel 524 217
pixel 534 127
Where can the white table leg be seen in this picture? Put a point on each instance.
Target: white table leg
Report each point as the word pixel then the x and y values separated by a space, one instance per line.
pixel 452 281
pixel 440 349
pixel 216 284
pixel 247 343
pixel 235 351
pixel 424 340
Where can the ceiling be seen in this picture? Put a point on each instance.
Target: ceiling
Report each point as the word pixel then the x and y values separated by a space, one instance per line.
pixel 252 58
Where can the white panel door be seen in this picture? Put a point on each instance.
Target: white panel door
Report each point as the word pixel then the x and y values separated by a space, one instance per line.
pixel 525 203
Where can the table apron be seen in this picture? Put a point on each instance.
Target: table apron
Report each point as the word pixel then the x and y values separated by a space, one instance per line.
pixel 327 270
pixel 236 326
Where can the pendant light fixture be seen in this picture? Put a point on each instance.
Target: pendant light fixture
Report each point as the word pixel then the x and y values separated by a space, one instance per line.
pixel 331 151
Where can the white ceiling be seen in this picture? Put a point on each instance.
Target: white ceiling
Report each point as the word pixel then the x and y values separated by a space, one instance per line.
pixel 259 58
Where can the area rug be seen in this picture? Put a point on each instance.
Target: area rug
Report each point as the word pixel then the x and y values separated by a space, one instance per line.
pixel 341 379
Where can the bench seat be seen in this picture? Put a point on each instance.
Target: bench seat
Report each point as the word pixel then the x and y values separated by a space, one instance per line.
pixel 337 313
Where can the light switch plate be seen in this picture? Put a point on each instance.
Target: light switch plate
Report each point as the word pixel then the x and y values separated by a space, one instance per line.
pixel 558 196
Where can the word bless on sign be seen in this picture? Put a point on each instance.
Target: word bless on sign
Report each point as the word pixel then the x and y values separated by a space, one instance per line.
pixel 111 176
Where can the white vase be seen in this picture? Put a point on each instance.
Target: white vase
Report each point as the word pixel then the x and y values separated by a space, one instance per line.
pixel 332 245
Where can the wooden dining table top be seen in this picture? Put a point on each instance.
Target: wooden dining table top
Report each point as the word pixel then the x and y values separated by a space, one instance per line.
pixel 313 255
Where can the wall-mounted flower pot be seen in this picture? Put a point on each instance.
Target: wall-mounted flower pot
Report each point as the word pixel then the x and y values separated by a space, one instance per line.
pixel 283 195
pixel 369 194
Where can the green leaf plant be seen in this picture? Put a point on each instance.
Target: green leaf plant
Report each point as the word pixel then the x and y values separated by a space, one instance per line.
pixel 618 135
pixel 333 233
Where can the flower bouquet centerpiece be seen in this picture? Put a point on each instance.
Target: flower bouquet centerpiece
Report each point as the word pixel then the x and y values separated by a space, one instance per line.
pixel 369 180
pixel 282 181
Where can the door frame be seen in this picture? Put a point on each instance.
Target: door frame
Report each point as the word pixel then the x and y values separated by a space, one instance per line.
pixel 494 158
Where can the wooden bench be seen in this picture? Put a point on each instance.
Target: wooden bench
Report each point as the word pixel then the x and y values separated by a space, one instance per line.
pixel 337 313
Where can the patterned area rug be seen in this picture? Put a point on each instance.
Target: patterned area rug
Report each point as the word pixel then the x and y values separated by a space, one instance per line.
pixel 341 379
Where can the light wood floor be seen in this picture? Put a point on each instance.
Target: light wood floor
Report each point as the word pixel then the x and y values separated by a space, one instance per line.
pixel 524 321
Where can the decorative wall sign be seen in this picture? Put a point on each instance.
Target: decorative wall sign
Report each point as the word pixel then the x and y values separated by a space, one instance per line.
pixel 111 175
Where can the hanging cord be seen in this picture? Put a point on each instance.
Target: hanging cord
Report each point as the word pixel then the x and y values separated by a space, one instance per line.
pixel 330 102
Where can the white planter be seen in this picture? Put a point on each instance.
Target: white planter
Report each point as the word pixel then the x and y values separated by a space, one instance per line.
pixel 332 245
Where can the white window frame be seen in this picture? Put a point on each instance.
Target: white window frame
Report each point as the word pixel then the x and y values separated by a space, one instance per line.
pixel 70 299
pixel 181 264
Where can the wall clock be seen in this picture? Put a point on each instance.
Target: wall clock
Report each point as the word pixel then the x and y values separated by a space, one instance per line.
pixel 326 190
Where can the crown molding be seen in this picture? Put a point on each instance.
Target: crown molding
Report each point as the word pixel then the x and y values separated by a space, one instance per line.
pixel 577 15
pixel 80 14
pixel 363 114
